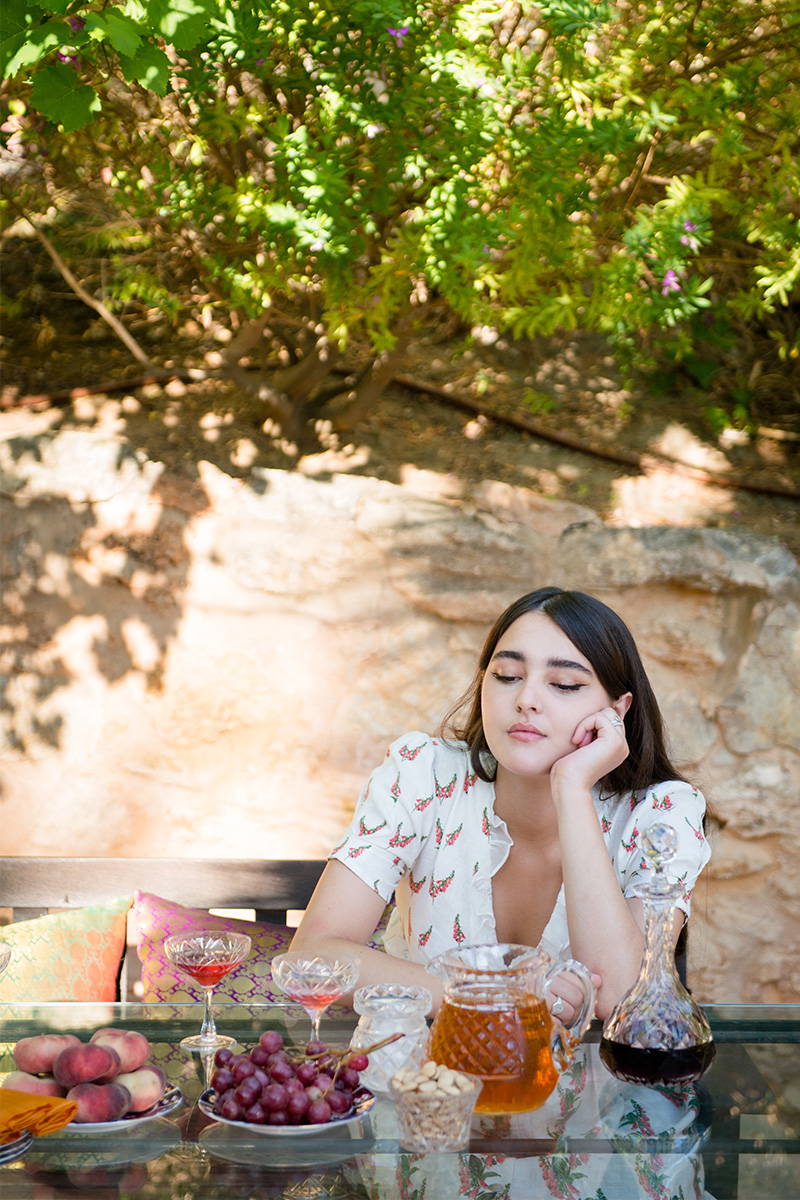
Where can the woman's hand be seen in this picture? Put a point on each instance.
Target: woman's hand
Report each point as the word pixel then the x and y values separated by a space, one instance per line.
pixel 600 747
pixel 565 999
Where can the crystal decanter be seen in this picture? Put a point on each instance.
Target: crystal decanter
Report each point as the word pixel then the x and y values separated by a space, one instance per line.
pixel 657 1034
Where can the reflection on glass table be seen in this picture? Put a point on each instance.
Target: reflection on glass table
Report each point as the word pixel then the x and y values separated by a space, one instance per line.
pixel 734 1135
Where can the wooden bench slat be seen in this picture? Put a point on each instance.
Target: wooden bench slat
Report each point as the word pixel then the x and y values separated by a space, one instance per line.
pixel 277 885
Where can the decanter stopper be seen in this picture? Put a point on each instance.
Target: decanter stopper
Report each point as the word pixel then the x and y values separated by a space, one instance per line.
pixel 657 1034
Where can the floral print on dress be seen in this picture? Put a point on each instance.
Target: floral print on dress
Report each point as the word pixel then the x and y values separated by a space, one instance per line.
pixel 697 831
pixel 400 839
pixel 633 842
pixel 458 933
pixel 637 1120
pixel 445 792
pixel 650 1172
pixel 409 754
pixel 425 833
pixel 437 887
pixel 562 1174
pixel 479 1180
pixel 453 837
pixel 364 831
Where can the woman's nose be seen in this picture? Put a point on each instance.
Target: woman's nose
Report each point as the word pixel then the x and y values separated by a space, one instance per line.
pixel 528 697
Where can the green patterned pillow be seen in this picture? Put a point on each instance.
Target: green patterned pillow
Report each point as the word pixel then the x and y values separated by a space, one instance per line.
pixel 73 955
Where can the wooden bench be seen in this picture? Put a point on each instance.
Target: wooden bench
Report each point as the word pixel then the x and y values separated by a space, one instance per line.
pixel 30 887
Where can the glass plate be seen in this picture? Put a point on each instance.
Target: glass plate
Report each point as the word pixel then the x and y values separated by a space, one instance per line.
pixel 11 1150
pixel 172 1099
pixel 363 1103
pixel 318 1154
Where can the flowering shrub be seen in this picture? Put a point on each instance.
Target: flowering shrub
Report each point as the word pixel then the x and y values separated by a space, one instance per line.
pixel 328 174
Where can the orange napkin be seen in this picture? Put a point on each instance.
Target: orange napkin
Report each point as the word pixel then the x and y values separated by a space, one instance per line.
pixel 38 1114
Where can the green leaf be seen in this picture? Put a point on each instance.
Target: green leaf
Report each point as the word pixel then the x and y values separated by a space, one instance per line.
pixel 149 66
pixel 21 44
pixel 59 95
pixel 111 27
pixel 182 22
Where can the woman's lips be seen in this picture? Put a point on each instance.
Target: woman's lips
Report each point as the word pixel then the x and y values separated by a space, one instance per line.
pixel 525 733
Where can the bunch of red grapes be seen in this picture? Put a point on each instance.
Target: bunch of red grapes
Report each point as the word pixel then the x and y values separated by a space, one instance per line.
pixel 269 1086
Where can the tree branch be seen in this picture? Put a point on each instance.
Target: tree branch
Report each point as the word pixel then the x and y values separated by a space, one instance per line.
pixel 127 339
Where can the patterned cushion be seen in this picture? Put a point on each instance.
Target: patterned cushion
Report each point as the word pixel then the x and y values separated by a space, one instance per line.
pixel 153 919
pixel 73 955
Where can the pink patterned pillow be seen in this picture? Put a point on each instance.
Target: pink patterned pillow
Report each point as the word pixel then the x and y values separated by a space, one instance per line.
pixel 153 919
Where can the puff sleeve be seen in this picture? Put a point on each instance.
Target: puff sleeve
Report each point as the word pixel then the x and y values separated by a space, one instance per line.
pixel 672 803
pixel 393 815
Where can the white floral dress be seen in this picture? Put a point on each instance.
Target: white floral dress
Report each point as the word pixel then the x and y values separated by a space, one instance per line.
pixel 425 834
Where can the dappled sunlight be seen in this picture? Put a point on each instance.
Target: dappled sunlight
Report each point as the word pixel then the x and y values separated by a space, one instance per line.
pixel 663 498
pixel 143 650
pixel 680 443
pixel 433 485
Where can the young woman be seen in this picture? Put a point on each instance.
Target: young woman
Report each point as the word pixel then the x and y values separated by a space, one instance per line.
pixel 523 821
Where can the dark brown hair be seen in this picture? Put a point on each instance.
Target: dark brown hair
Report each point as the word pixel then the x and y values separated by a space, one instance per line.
pixel 604 638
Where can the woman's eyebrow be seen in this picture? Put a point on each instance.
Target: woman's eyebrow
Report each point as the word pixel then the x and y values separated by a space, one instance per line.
pixel 569 664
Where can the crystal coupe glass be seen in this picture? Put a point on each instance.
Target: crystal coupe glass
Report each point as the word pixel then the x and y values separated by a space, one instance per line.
pixel 313 981
pixel 207 956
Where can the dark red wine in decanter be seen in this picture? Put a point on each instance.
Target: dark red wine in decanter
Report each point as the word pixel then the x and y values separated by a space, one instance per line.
pixel 657 1034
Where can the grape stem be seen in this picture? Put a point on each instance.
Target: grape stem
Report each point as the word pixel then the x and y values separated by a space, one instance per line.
pixel 352 1052
pixel 344 1058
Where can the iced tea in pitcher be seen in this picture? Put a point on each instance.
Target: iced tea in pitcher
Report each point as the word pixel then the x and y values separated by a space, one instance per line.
pixel 494 1022
pixel 507 1044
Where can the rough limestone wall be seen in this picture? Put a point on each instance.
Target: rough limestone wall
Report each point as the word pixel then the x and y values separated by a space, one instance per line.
pixel 196 664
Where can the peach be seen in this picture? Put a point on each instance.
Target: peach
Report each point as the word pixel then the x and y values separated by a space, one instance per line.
pixel 36 1055
pixel 132 1048
pixel 146 1086
pixel 37 1085
pixel 99 1101
pixel 85 1064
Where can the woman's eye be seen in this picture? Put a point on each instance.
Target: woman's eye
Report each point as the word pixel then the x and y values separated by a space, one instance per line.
pixel 568 687
pixel 505 678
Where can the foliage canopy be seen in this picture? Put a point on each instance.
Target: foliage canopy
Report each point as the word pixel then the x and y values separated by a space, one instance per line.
pixel 329 175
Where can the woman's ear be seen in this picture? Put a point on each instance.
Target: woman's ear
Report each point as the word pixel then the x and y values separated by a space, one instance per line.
pixel 622 703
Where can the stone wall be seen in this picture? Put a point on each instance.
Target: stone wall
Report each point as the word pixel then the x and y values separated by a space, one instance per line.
pixel 195 664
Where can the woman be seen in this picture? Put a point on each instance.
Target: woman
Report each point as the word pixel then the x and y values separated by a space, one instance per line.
pixel 525 823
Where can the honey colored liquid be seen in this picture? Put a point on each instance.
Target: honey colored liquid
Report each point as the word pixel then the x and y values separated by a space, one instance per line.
pixel 507 1045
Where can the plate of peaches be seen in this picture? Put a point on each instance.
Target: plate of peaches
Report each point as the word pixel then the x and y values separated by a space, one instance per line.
pixel 109 1078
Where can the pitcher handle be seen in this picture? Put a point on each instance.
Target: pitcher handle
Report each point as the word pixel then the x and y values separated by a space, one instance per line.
pixel 565 1038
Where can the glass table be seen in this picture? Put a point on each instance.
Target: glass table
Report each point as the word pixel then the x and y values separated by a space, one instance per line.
pixel 733 1136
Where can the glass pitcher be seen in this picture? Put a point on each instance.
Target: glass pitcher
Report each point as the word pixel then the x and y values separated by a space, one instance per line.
pixel 494 1022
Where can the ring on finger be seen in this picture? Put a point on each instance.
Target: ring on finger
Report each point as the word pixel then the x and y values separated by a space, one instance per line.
pixel 617 721
pixel 557 1006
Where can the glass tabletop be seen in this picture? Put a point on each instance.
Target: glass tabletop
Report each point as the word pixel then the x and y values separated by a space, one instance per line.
pixel 733 1136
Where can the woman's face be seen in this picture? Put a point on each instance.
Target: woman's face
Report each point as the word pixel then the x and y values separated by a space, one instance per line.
pixel 536 688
